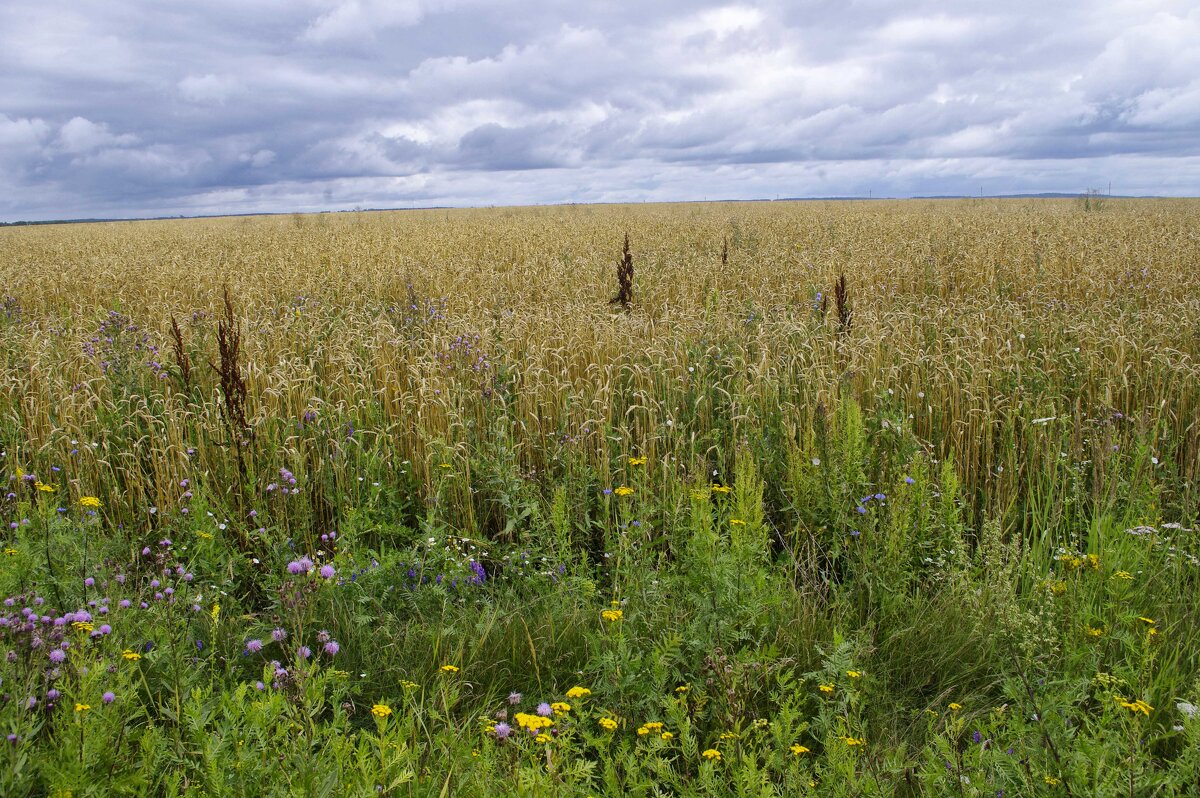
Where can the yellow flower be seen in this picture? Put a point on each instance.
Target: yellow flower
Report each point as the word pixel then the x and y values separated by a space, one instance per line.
pixel 955 707
pixel 683 688
pixel 542 738
pixel 407 685
pixel 82 626
pixel 1093 562
pixel 728 735
pixel 711 754
pixel 721 488
pixel 89 501
pixel 736 522
pixel 1134 706
pixel 608 724
pixel 1144 619
pixel 1051 780
pixel 852 741
pixel 336 674
pixel 532 722
pixel 667 736
pixel 798 749
pixel 560 707
pixel 204 535
pixel 854 674
pixel 825 688
pixel 637 461
pixel 1123 575
pixel 131 655
pixel 381 710
pixel 44 488
pixel 1092 631
pixel 82 707
pixel 216 612
pixel 10 551
pixel 578 692
pixel 449 669
pixel 623 491
pixel 612 615
pixel 445 465
pixel 1058 588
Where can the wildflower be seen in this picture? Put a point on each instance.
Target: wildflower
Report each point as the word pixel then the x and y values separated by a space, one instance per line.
pixel 514 699
pixel 825 688
pixel 608 724
pixel 381 710
pixel 502 730
pixel 1123 575
pixel 10 551
pixel 1135 706
pixel 108 697
pixel 667 736
pixel 132 655
pixel 408 685
pixel 44 488
pixel 253 646
pixel 854 674
pixel 1145 620
pixel 955 707
pixel 798 749
pixel 449 669
pixel 736 522
pixel 532 722
pixel 852 741
pixel 623 491
pixel 1093 631
pixel 544 709
pixel 1051 780
pixel 82 707
pixel 279 635
pixel 82 626
pixel 578 692
pixel 721 489
pixel 327 572
pixel 681 689
pixel 1058 588
pixel 711 754
pixel 637 461
pixel 304 652
pixel 612 615
pixel 216 612
pixel 90 502
pixel 332 648
pixel 560 707
pixel 542 738
pixel 58 656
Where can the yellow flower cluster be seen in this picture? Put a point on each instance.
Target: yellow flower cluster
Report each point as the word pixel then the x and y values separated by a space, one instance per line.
pixel 82 626
pixel 1123 575
pixel 408 685
pixel 955 707
pixel 90 502
pixel 667 736
pixel 854 674
pixel 542 738
pixel 721 488
pixel 82 707
pixel 608 724
pixel 131 655
pixel 381 710
pixel 578 692
pixel 44 488
pixel 736 522
pixel 711 754
pixel 533 722
pixel 729 735
pixel 798 749
pixel 683 688
pixel 852 741
pixel 560 707
pixel 637 461
pixel 1134 706
pixel 623 491
pixel 1091 562
pixel 646 728
pixel 449 669
pixel 612 615
pixel 825 688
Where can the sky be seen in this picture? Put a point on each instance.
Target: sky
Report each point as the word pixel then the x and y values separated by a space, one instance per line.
pixel 158 108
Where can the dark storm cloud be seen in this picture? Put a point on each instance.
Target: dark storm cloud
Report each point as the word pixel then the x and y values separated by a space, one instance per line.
pixel 148 108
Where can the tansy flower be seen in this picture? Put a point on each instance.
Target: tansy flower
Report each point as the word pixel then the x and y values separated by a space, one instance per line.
pixel 854 674
pixel 1094 632
pixel 560 707
pixel 542 738
pixel 1123 575
pixel 667 736
pixel 721 488
pixel 1051 780
pixel 578 692
pixel 852 741
pixel 623 491
pixel 82 707
pixel 728 735
pixel 825 688
pixel 711 754
pixel 955 707
pixel 407 685
pixel 683 688
pixel 449 669
pixel 612 615
pixel 798 749
pixel 637 461
pixel 736 522
pixel 90 502
pixel 1146 620
pixel 381 710
pixel 131 655
pixel 608 724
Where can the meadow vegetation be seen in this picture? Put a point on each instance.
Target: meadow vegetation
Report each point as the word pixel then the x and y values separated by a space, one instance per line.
pixel 433 503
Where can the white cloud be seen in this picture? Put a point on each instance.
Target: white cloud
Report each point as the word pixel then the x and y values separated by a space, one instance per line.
pixel 81 135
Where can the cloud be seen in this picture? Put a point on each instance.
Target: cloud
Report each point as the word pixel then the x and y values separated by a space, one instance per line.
pixel 221 105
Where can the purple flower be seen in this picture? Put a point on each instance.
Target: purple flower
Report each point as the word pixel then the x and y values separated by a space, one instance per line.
pixel 544 710
pixel 514 698
pixel 58 655
pixel 909 480
pixel 332 647
pixel 104 629
pixel 304 652
pixel 502 731
pixel 254 646
pixel 259 686
pixel 90 582
pixel 977 737
pixel 108 697
pixel 52 694
pixel 327 572
pixel 306 564
pixel 294 567
pixel 279 635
